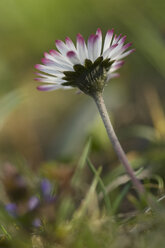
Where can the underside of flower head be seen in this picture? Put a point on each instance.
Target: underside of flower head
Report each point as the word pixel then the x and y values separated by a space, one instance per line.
pixel 85 66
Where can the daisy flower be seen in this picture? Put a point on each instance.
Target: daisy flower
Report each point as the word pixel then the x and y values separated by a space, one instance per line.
pixel 85 66
pixel 89 67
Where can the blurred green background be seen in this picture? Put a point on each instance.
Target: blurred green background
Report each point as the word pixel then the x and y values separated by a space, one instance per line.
pixel 37 126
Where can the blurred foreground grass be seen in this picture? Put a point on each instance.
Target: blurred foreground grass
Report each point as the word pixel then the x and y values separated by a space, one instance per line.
pixel 64 206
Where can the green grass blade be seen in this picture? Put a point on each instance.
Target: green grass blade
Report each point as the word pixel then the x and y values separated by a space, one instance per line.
pixel 77 178
pixel 87 202
pixel 5 232
pixel 102 186
pixel 8 103
pixel 120 197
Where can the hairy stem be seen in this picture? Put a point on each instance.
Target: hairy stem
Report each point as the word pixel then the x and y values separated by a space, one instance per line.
pixel 115 142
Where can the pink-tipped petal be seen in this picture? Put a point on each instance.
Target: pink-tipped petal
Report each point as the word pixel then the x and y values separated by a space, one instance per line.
pixel 72 56
pixel 37 79
pixel 54 52
pixel 116 39
pixel 47 61
pixel 70 44
pixel 51 69
pixel 49 87
pixel 80 39
pixel 54 57
pixel 99 33
pixel 90 46
pixel 60 58
pixel 122 40
pixel 55 74
pixel 56 77
pixel 51 80
pixel 109 50
pixel 56 64
pixel 126 46
pixel 96 47
pixel 116 65
pixel 125 54
pixel 108 39
pixel 81 48
pixel 112 75
pixel 50 56
pixel 37 66
pixel 61 47
pixel 119 50
pixel 120 62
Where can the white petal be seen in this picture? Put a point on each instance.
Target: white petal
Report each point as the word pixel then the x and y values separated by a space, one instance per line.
pixel 109 50
pixel 90 46
pixel 108 39
pixel 96 46
pixel 59 57
pixel 69 43
pixel 116 39
pixel 99 33
pixel 62 48
pixel 116 65
pixel 49 87
pixel 56 75
pixel 72 56
pixel 112 75
pixel 53 69
pixel 81 48
pixel 56 65
pixel 122 40
pixel 57 81
pixel 125 54
pixel 120 49
pixel 56 58
pixel 113 53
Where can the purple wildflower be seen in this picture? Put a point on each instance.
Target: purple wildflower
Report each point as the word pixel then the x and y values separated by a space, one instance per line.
pixel 46 189
pixel 33 203
pixel 36 222
pixel 11 208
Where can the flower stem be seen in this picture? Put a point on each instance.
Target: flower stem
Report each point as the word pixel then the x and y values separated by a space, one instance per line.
pixel 115 142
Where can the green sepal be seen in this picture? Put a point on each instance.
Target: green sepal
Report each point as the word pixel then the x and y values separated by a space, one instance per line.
pixel 98 61
pixel 79 68
pixel 88 63
pixel 91 77
pixel 70 83
pixel 69 73
pixel 107 63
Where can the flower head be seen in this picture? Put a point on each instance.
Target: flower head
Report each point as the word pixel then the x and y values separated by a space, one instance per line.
pixel 85 66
